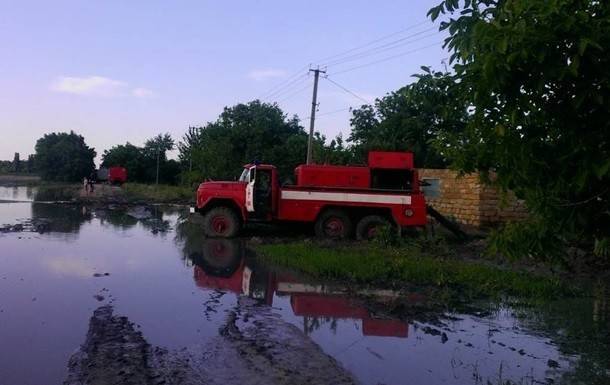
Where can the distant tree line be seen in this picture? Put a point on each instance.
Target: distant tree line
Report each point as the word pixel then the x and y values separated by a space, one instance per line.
pixel 18 166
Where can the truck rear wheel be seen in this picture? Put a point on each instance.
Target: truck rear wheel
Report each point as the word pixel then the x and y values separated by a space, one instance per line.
pixel 221 222
pixel 369 226
pixel 333 224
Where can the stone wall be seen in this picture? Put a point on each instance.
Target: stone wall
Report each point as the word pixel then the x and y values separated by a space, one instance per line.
pixel 469 201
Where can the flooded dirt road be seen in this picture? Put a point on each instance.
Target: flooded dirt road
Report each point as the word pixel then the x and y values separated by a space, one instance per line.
pixel 223 316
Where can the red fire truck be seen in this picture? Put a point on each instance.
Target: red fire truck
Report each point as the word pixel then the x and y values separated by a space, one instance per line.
pixel 337 200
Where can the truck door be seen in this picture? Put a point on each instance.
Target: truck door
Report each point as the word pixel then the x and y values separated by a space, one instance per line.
pixel 250 190
pixel 263 189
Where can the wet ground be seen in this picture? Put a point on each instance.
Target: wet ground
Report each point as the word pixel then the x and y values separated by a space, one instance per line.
pixel 78 284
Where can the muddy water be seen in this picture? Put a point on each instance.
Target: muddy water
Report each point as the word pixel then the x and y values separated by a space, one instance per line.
pixel 153 267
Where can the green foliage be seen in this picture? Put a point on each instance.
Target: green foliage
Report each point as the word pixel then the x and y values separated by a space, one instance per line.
pixel 244 133
pixel 136 192
pixel 537 75
pixel 410 118
pixel 64 157
pixel 141 162
pixel 16 163
pixel 410 264
pixel 17 166
pixel 129 156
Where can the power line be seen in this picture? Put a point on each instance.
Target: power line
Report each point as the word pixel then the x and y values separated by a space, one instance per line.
pixel 283 82
pixel 330 112
pixel 333 112
pixel 386 58
pixel 288 86
pixel 300 90
pixel 385 47
pixel 374 41
pixel 348 91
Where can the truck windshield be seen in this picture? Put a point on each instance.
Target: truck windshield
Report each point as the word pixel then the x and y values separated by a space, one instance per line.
pixel 244 175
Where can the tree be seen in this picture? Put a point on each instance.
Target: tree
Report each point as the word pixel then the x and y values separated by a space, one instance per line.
pixel 538 75
pixel 410 118
pixel 141 162
pixel 156 148
pixel 16 163
pixel 29 164
pixel 64 157
pixel 129 156
pixel 245 133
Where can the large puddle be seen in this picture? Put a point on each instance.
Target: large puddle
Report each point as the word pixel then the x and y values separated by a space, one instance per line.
pixel 154 267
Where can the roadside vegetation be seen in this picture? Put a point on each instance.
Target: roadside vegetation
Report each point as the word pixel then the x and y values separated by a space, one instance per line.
pixel 417 262
pixel 149 193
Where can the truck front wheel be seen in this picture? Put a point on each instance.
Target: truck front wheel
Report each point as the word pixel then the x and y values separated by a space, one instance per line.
pixel 221 222
pixel 333 224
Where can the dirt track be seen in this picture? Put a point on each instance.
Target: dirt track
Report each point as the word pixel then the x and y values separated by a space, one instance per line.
pixel 254 346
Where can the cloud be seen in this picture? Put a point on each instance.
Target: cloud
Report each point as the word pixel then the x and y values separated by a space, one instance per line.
pixel 91 85
pixel 69 266
pixel 265 74
pixel 143 93
pixel 98 86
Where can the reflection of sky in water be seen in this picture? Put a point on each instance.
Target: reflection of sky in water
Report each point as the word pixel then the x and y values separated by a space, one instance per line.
pixel 10 213
pixel 424 359
pixel 47 288
pixel 17 193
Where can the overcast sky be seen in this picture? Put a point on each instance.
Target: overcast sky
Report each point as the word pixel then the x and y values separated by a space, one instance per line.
pixel 118 71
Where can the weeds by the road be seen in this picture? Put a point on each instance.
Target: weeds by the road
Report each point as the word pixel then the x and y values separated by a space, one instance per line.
pixel 158 193
pixel 57 192
pixel 419 262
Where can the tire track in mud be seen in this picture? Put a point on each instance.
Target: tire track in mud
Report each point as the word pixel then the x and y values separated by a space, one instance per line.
pixel 254 346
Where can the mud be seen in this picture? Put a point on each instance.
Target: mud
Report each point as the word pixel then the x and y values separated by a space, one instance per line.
pixel 254 346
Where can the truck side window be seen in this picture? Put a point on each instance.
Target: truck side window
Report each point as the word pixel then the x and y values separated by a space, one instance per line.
pixel 244 175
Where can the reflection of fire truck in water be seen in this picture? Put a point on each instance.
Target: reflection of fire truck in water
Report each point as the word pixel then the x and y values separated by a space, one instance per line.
pixel 222 265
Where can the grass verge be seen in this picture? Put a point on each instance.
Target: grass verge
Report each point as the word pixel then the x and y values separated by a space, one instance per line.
pixel 409 265
pixel 158 193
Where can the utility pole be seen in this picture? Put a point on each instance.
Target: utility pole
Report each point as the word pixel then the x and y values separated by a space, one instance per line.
pixel 158 152
pixel 314 105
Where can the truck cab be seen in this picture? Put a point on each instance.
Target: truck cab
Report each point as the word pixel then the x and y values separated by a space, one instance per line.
pixel 226 206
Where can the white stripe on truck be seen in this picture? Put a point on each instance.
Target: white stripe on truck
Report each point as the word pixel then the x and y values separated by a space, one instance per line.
pixel 346 197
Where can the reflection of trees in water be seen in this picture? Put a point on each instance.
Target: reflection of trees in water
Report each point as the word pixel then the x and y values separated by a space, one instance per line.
pixel 55 193
pixel 311 324
pixel 150 218
pixel 579 326
pixel 189 237
pixel 60 218
pixel 116 219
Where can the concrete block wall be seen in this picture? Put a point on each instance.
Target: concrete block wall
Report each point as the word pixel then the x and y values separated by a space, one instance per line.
pixel 469 201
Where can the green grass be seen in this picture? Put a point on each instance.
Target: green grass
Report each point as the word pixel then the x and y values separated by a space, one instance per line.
pixel 57 191
pixel 409 265
pixel 151 193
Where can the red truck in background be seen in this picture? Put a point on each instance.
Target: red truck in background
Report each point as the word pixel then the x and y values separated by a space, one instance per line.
pixel 338 200
pixel 117 175
pixel 113 175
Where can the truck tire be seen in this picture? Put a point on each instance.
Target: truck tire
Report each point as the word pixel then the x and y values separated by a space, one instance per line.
pixel 368 225
pixel 334 224
pixel 221 222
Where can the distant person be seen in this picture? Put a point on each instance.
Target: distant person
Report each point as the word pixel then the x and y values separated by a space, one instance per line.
pixel 86 185
pixel 92 179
